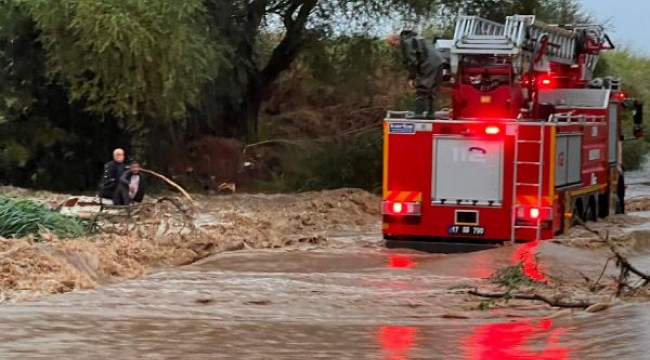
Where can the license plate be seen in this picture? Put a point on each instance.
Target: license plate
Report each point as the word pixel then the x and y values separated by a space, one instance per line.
pixel 466 230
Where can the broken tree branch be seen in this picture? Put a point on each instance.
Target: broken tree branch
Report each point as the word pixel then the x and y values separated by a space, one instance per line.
pixel 533 297
pixel 168 181
pixel 595 285
pixel 622 262
pixel 625 264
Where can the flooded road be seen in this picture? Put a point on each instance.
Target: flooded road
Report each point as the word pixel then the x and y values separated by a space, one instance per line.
pixel 327 304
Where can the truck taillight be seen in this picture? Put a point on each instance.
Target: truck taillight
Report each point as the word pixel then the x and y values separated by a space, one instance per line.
pixel 534 213
pixel 401 208
pixel 398 207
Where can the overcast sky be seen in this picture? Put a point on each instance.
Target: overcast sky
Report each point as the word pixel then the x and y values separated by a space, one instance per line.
pixel 630 20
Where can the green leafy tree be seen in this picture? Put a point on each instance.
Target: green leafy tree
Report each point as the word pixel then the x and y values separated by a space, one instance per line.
pixel 128 57
pixel 46 140
pixel 20 63
pixel 153 58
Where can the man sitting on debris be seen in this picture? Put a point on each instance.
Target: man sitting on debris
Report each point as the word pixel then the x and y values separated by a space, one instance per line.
pixel 131 187
pixel 425 66
pixel 112 172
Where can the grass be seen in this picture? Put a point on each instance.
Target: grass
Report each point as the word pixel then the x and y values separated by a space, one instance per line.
pixel 21 218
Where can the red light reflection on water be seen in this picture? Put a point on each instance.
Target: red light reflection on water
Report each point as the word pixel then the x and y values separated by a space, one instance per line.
pixel 400 262
pixel 513 341
pixel 526 255
pixel 397 341
pixel 481 265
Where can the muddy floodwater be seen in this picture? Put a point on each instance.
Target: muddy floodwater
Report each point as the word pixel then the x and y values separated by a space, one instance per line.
pixel 327 304
pixel 310 281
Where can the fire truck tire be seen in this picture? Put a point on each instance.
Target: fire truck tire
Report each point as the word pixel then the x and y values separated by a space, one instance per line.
pixel 603 205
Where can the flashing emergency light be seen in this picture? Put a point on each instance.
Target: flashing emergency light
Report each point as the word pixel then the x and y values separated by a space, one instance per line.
pixel 621 96
pixel 492 130
pixel 534 213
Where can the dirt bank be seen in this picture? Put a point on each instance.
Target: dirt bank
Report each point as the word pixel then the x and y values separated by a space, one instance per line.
pixel 223 223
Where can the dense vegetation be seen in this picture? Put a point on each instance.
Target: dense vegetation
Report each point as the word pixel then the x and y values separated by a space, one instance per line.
pixel 20 218
pixel 78 78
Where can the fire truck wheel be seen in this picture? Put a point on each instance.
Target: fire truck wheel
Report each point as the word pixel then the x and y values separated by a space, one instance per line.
pixel 591 213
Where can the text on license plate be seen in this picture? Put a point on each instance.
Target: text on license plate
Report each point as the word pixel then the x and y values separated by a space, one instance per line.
pixel 466 230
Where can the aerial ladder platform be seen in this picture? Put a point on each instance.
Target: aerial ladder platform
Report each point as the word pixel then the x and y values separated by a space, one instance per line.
pixel 526 40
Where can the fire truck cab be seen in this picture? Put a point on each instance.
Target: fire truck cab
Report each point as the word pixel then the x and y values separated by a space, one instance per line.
pixel 531 141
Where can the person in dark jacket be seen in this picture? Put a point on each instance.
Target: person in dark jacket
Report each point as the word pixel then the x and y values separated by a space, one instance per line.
pixel 620 191
pixel 131 187
pixel 112 172
pixel 425 67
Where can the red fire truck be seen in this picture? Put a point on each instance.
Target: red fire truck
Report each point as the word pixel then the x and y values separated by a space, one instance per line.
pixel 531 141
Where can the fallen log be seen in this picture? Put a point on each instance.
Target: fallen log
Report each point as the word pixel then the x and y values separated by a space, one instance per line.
pixel 532 297
pixel 173 184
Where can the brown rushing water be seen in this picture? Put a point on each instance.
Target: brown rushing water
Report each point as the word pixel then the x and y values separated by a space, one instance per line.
pixel 326 304
pixel 344 299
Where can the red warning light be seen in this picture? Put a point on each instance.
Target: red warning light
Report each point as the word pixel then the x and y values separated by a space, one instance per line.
pixel 492 130
pixel 545 81
pixel 534 213
pixel 621 96
pixel 398 208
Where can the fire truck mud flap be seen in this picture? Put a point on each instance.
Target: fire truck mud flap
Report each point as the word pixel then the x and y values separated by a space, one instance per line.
pixel 440 246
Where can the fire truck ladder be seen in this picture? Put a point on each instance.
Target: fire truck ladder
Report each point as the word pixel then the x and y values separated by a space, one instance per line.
pixel 520 35
pixel 524 185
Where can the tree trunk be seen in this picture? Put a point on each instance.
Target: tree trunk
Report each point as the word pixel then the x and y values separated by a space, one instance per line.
pixel 242 121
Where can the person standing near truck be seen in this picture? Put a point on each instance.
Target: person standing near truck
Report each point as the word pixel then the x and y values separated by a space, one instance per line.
pixel 620 191
pixel 425 66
